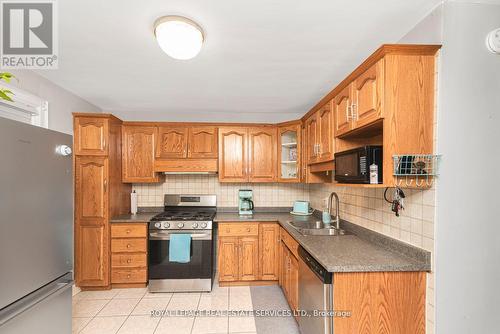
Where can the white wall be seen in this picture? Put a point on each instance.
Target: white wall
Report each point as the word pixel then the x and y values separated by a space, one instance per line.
pixel 467 227
pixel 61 102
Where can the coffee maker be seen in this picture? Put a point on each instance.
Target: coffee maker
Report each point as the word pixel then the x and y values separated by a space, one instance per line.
pixel 245 205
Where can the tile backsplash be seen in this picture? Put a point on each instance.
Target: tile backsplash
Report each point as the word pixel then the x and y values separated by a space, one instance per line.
pixel 265 194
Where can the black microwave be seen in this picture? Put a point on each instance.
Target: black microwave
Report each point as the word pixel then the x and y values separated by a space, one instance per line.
pixel 353 166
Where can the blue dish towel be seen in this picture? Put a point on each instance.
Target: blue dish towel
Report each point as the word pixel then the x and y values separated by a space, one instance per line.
pixel 180 248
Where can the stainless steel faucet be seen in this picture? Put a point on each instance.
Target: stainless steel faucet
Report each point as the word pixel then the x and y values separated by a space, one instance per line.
pixel 336 219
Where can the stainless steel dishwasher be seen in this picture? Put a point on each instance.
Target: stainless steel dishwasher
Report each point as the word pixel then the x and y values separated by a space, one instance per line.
pixel 315 296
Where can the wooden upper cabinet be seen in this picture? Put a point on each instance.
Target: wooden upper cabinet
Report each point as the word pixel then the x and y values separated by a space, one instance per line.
pixel 326 138
pixel 91 136
pixel 312 134
pixel 249 259
pixel 269 251
pixel 138 154
pixel 289 152
pixel 262 154
pixel 202 142
pixel 233 142
pixel 367 92
pixel 342 111
pixel 172 142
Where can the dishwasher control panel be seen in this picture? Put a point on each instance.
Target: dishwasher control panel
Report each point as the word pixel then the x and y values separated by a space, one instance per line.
pixel 315 266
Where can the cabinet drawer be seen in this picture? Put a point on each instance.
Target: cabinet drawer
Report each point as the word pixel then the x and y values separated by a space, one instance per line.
pixel 290 242
pixel 128 275
pixel 238 229
pixel 128 260
pixel 128 230
pixel 129 245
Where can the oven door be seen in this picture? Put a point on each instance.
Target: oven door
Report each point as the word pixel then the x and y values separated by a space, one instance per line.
pixel 198 268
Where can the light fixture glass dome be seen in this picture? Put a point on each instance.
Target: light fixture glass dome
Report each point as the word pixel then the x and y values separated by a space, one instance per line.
pixel 178 37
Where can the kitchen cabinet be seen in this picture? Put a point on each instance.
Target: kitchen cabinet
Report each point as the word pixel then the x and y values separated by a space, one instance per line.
pixel 172 142
pixel 202 142
pixel 320 139
pixel 289 268
pixel 262 154
pixel 138 154
pixel 248 252
pixel 360 103
pixel 91 135
pixel 289 152
pixel 269 251
pixel 99 194
pixel 247 154
pixel 128 254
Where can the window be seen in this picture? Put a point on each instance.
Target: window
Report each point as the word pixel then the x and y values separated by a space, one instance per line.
pixel 27 107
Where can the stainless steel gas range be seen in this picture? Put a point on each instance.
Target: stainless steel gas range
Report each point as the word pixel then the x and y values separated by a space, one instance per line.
pixel 184 214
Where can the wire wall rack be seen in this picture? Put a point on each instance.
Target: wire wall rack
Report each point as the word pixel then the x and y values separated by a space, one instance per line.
pixel 417 170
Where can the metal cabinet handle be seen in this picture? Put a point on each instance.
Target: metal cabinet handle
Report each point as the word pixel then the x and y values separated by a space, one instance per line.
pixel 128 275
pixel 129 260
pixel 348 112
pixel 129 245
pixel 354 111
pixel 128 231
pixel 105 185
pixel 248 229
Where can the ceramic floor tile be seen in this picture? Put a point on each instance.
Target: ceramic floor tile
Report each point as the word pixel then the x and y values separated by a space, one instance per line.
pixel 104 325
pixel 177 325
pixel 157 294
pixel 139 324
pixel 213 303
pixel 183 303
pixel 88 308
pixel 104 294
pixel 187 294
pixel 118 307
pixel 241 324
pixel 130 293
pixel 148 305
pixel 240 303
pixel 78 324
pixel 206 325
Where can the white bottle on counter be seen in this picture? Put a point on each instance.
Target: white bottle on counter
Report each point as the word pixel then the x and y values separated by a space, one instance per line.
pixel 133 202
pixel 373 174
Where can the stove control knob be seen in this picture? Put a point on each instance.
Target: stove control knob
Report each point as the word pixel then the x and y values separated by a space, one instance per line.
pixel 180 225
pixel 166 225
pixel 203 225
pixel 158 225
pixel 195 225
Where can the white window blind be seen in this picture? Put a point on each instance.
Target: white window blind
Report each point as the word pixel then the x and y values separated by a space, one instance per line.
pixel 27 107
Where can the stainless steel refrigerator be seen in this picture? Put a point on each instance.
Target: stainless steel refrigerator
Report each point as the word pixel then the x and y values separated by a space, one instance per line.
pixel 36 229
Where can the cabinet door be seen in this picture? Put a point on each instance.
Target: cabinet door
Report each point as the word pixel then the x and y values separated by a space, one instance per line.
pixel 312 131
pixel 294 283
pixel 269 251
pixel 233 154
pixel 285 272
pixel 249 259
pixel 91 230
pixel 367 96
pixel 262 154
pixel 289 153
pixel 172 142
pixel 91 135
pixel 228 259
pixel 138 158
pixel 202 142
pixel 325 121
pixel 342 107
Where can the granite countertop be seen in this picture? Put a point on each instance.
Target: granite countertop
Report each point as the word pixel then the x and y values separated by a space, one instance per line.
pixel 364 251
pixel 361 251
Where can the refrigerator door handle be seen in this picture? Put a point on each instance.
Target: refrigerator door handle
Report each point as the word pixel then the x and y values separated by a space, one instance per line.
pixel 20 306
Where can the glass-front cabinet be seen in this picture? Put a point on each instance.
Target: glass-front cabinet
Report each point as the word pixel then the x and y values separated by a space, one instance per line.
pixel 289 146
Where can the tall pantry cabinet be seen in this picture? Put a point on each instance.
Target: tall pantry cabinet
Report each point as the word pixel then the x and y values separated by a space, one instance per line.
pixel 99 195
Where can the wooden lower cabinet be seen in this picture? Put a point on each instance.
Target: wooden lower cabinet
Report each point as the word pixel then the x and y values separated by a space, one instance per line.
pixel 129 254
pixel 380 302
pixel 289 275
pixel 248 252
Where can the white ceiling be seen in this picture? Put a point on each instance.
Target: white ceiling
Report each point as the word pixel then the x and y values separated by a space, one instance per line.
pixel 263 60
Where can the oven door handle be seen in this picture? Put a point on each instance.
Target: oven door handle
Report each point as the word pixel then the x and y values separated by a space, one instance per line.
pixel 166 236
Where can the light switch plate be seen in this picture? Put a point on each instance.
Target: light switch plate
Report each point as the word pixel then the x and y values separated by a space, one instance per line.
pixel 493 41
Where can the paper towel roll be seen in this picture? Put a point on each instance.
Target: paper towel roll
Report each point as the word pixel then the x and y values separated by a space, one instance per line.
pixel 133 202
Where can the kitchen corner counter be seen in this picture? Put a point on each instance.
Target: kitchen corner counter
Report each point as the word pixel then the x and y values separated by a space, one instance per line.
pixel 362 251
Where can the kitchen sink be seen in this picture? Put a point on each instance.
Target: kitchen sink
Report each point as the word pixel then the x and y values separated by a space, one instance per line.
pixel 316 228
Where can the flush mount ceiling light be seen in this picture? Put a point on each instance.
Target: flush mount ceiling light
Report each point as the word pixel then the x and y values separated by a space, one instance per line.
pixel 178 37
